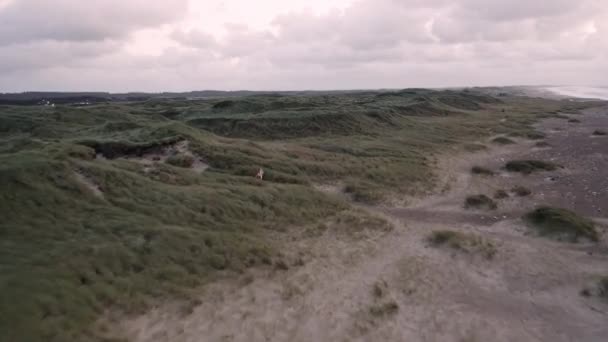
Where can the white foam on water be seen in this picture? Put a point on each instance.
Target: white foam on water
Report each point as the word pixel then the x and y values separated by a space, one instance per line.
pixel 582 92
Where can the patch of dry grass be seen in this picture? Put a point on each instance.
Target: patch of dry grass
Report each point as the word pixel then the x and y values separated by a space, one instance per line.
pixel 480 202
pixel 463 242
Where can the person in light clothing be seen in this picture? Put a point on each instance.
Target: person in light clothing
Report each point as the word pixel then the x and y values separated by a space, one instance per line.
pixel 260 174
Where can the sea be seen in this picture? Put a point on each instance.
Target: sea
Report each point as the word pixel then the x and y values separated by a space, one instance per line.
pixel 581 92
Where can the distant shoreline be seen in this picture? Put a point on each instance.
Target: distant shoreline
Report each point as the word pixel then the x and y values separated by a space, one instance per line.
pixel 600 93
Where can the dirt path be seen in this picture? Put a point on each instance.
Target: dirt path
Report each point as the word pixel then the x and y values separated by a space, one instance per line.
pixel 395 287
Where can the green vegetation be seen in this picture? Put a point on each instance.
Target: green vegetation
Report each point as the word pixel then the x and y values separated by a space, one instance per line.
pixel 521 191
pixel 560 223
pixel 530 166
pixel 479 170
pixel 480 202
pixel 529 134
pixel 501 194
pixel 160 230
pixel 503 141
pixel 181 160
pixel 599 132
pixel 463 242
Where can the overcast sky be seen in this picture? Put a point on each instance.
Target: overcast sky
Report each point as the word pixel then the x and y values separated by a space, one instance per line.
pixel 177 45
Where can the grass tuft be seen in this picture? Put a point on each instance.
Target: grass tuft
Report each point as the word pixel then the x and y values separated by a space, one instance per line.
pixel 503 141
pixel 480 202
pixel 530 166
pixel 181 160
pixel 464 242
pixel 557 222
pixel 479 170
pixel 521 191
pixel 599 132
pixel 532 135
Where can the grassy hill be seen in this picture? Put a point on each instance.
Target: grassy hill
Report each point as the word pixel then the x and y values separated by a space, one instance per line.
pixel 95 217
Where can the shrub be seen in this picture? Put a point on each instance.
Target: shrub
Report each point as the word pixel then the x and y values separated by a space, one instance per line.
pixel 559 222
pixel 529 166
pixel 478 170
pixel 480 202
pixel 521 191
pixel 599 132
pixel 535 135
pixel 574 120
pixel 532 135
pixel 503 141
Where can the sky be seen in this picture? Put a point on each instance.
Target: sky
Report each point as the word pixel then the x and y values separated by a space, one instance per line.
pixel 181 45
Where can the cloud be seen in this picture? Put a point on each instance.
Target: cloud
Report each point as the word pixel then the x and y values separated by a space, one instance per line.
pixel 148 45
pixel 23 21
pixel 33 56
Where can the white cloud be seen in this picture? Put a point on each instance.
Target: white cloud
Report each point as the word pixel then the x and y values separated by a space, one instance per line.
pixel 272 44
pixel 76 20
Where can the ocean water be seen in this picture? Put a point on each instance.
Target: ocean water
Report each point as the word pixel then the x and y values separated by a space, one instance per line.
pixel 582 92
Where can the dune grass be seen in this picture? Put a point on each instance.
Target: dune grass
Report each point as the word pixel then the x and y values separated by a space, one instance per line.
pixel 480 170
pixel 521 191
pixel 159 231
pixel 480 202
pixel 503 141
pixel 181 160
pixel 562 223
pixel 530 166
pixel 464 242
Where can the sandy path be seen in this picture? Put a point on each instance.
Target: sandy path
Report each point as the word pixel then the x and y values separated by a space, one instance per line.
pixel 393 287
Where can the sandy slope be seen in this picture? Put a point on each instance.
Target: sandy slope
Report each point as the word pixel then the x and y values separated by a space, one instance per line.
pixel 394 287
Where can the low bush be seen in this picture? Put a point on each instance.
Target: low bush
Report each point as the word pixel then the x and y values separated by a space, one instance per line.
pixel 503 141
pixel 479 170
pixel 560 223
pixel 530 166
pixel 479 202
